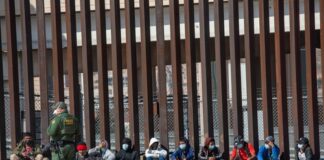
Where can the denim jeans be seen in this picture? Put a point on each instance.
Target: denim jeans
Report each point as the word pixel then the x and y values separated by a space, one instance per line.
pixel 151 158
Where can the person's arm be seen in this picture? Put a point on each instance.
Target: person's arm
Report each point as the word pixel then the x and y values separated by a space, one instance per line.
pixel 201 154
pixel 136 155
pixel 174 155
pixel 19 148
pixel 261 152
pixel 109 155
pixel 191 154
pixel 118 156
pixel 38 150
pixel 233 153
pixel 252 151
pixel 309 153
pixel 275 152
pixel 150 153
pixel 162 152
pixel 53 127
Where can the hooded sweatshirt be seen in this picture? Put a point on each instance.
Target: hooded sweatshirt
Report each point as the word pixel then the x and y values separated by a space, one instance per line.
pixel 206 153
pixel 129 153
pixel 156 153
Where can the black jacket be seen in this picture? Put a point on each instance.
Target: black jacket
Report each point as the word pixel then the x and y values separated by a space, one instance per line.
pixel 308 152
pixel 127 155
pixel 205 153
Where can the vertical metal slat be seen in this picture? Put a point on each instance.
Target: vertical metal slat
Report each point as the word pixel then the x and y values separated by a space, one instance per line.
pixel 251 74
pixel 295 70
pixel 312 107
pixel 132 73
pixel 221 77
pixel 162 91
pixel 13 72
pixel 235 68
pixel 281 87
pixel 3 149
pixel 265 61
pixel 176 69
pixel 102 70
pixel 191 74
pixel 205 57
pixel 117 72
pixel 57 51
pixel 87 73
pixel 72 59
pixel 43 79
pixel 27 55
pixel 146 70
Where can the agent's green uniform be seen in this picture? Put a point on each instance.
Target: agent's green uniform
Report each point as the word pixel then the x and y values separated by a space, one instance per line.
pixel 63 130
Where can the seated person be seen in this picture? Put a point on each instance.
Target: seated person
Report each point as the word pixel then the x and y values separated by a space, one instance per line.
pixel 102 151
pixel 242 150
pixel 209 151
pixel 26 149
pixel 127 151
pixel 82 152
pixel 156 151
pixel 269 150
pixel 184 151
pixel 303 149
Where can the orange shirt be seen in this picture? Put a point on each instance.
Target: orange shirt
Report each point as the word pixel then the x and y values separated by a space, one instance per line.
pixel 242 153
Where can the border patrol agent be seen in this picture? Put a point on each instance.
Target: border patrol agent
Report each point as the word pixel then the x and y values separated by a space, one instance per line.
pixel 63 130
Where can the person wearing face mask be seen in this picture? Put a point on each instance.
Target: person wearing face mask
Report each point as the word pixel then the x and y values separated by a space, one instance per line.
pixel 242 150
pixel 303 149
pixel 127 151
pixel 63 131
pixel 184 151
pixel 209 151
pixel 156 151
pixel 269 151
pixel 27 149
pixel 102 151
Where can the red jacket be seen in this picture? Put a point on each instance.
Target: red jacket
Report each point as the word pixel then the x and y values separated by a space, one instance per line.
pixel 242 152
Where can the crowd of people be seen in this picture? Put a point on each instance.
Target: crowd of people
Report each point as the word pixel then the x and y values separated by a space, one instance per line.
pixel 64 131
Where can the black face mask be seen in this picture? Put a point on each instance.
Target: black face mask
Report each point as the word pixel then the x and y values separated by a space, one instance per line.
pixel 154 146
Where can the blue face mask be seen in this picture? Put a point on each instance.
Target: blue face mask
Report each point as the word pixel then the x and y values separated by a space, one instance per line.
pixel 125 147
pixel 240 145
pixel 211 147
pixel 182 146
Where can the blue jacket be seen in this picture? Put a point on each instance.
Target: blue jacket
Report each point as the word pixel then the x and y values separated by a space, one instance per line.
pixel 179 154
pixel 264 153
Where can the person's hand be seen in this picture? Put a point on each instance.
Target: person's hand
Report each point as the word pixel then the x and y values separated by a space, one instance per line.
pixel 271 144
pixel 212 158
pixel 24 154
pixel 156 154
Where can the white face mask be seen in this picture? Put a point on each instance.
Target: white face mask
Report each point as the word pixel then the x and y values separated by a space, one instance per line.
pixel 300 146
pixel 55 112
pixel 182 146
pixel 125 147
pixel 267 146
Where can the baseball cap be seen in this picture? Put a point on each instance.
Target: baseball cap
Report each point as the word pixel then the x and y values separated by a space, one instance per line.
pixel 269 139
pixel 61 105
pixel 303 140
